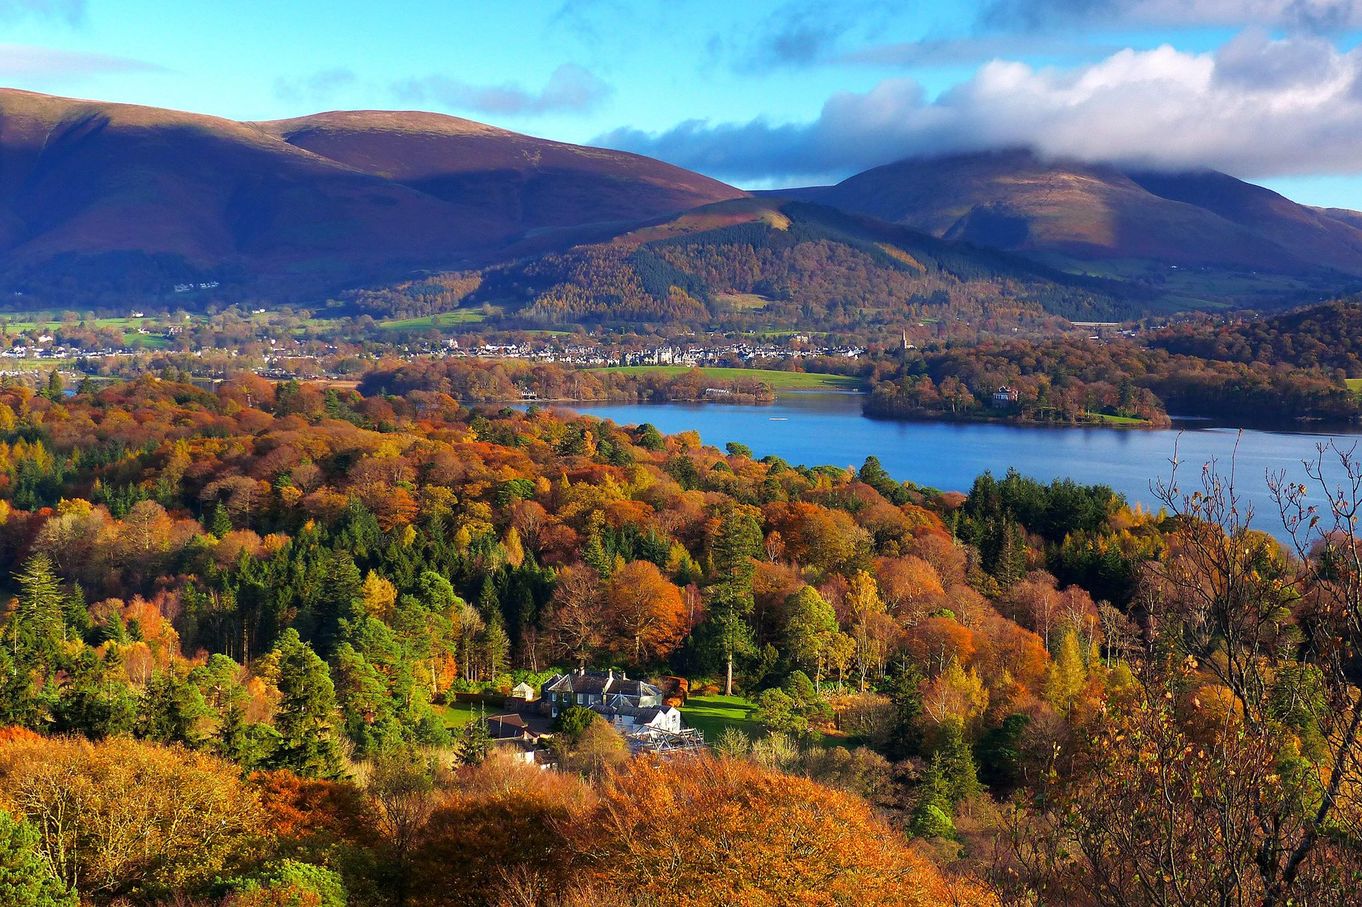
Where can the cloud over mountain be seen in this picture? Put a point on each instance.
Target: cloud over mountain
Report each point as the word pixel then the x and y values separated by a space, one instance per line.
pixel 569 88
pixel 1259 106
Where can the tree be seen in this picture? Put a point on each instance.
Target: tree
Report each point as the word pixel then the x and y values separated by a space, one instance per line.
pixel 749 835
pixel 598 748
pixel 125 819
pixel 38 627
pixel 577 624
pixel 645 610
pixel 474 742
pixel 306 718
pixel 811 632
pixel 402 786
pixel 727 632
pixel 26 878
pixel 1067 674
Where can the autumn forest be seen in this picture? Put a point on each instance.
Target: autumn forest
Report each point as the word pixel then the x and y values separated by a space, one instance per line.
pixel 241 620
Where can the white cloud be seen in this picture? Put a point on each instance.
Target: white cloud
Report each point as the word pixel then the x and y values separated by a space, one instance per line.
pixel 569 88
pixel 315 88
pixel 1257 107
pixel 25 61
pixel 1313 15
pixel 72 11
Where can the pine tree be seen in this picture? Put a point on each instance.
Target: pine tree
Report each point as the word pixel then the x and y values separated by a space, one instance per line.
pixel 474 743
pixel 727 633
pixel 173 711
pixel 26 878
pixel 306 718
pixel 56 387
pixel 221 522
pixel 955 760
pixel 594 554
pixel 495 644
pixel 1010 565
pixel 38 626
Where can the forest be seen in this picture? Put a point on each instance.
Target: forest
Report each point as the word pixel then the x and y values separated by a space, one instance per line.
pixel 1070 379
pixel 239 615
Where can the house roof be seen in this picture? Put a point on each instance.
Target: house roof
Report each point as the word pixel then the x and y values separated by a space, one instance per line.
pixel 600 683
pixel 509 727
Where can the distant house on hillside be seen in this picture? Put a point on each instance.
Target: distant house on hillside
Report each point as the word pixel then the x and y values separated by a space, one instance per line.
pixel 1005 397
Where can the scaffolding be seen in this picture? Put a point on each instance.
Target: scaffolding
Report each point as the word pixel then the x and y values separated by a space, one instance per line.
pixel 663 742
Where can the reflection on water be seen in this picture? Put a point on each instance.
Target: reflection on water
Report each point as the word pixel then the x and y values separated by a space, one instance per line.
pixel 828 428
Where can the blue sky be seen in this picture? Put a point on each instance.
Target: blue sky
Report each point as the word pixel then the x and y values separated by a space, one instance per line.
pixel 761 92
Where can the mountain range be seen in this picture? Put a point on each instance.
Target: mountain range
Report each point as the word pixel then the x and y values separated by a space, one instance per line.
pixel 101 200
pixel 1073 213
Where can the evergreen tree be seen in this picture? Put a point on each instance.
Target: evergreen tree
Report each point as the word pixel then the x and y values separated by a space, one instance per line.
pixel 1010 564
pixel 26 878
pixel 173 711
pixel 727 633
pixel 905 695
pixel 474 742
pixel 495 645
pixel 365 704
pixel 955 761
pixel 56 387
pixel 306 719
pixel 37 624
pixel 594 554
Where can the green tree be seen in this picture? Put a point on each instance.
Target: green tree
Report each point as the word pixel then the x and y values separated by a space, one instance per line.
pixel 811 632
pixel 173 711
pixel 474 742
pixel 26 878
pixel 306 719
pixel 37 623
pixel 727 632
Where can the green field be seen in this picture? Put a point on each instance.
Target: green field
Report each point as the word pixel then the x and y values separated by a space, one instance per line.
pixel 425 322
pixel 777 379
pixel 1354 384
pixel 1117 420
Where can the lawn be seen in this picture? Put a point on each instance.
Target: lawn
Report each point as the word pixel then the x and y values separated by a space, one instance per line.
pixel 712 714
pixel 457 714
pixel 1117 420
pixel 1354 384
pixel 778 380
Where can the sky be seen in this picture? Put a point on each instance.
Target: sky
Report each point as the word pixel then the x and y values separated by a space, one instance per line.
pixel 760 93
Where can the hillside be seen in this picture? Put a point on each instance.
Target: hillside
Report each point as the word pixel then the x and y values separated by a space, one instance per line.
pixel 98 197
pixel 760 264
pixel 1101 219
pixel 529 184
pixel 1326 336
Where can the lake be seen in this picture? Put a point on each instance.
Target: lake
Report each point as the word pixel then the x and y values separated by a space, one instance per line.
pixel 828 428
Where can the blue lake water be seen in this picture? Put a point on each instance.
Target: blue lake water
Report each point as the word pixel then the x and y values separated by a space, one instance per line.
pixel 828 428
